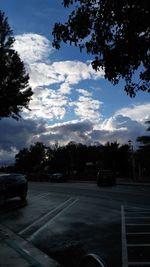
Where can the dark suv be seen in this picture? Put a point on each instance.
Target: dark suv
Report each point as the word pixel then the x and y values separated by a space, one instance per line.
pixel 13 185
pixel 105 177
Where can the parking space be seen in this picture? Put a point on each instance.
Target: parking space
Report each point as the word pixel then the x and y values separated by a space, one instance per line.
pixel 136 236
pixel 68 220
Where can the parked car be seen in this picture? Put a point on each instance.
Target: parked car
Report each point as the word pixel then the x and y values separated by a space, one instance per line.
pixel 57 177
pixel 38 176
pixel 13 185
pixel 105 177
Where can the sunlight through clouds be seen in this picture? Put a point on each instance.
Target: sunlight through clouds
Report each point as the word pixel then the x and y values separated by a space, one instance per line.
pixel 48 103
pixel 32 47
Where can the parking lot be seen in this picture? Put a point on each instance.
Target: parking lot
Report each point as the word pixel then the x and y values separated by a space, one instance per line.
pixel 68 220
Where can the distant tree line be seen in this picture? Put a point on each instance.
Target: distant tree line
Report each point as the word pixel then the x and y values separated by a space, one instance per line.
pixel 74 159
pixel 79 161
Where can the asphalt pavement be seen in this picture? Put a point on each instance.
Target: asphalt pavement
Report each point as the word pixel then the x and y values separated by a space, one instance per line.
pixel 61 223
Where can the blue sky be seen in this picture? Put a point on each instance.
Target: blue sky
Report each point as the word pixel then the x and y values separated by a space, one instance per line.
pixel 71 101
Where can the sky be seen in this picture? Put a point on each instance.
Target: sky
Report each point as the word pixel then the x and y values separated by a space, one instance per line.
pixel 71 101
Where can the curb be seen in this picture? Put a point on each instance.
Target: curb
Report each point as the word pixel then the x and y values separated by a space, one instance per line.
pixel 26 250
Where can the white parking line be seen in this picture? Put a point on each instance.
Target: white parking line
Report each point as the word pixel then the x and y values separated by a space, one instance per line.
pixel 46 224
pixel 41 196
pixel 124 241
pixel 138 212
pixel 137 224
pixel 43 217
pixel 132 209
pixel 139 217
pixel 138 233
pixel 141 263
pixel 138 245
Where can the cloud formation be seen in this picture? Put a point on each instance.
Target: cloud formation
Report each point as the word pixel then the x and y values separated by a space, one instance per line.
pixel 87 108
pixel 53 82
pixel 57 90
pixel 32 47
pixel 139 112
pixel 35 51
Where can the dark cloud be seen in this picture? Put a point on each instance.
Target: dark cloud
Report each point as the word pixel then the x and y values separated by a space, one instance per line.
pixel 14 135
pixel 70 131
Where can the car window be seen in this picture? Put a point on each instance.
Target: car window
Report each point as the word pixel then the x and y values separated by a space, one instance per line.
pixel 13 177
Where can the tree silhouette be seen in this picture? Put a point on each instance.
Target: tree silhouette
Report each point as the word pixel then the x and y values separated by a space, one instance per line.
pixel 32 159
pixel 115 33
pixel 75 160
pixel 15 92
pixel 144 152
pixel 145 140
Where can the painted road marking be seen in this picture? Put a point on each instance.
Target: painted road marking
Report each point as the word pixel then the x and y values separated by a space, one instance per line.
pixel 53 218
pixel 138 245
pixel 138 233
pixel 137 224
pixel 124 241
pixel 133 209
pixel 138 217
pixel 23 231
pixel 141 263
pixel 40 196
pixel 137 260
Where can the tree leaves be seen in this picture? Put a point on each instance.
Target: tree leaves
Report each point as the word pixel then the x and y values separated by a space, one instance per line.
pixel 116 33
pixel 15 92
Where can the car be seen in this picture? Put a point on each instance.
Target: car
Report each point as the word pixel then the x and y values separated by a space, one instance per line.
pixel 13 185
pixel 57 177
pixel 105 177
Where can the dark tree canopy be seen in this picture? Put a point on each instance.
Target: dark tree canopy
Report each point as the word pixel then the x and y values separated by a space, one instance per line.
pixel 145 140
pixel 116 33
pixel 144 152
pixel 15 92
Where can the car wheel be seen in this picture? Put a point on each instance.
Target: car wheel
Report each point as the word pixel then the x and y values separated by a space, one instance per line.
pixel 92 260
pixel 23 195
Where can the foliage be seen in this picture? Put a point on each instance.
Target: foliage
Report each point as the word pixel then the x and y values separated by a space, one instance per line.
pixel 116 33
pixel 73 159
pixel 15 92
pixel 144 152
pixel 145 139
pixel 32 159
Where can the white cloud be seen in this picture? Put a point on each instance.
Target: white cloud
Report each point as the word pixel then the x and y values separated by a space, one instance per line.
pixel 32 47
pixel 120 128
pixel 84 92
pixel 50 103
pixel 87 108
pixel 139 112
pixel 35 50
pixel 47 104
pixel 68 72
pixel 65 89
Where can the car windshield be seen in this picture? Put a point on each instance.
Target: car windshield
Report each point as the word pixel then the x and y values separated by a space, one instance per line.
pixel 11 176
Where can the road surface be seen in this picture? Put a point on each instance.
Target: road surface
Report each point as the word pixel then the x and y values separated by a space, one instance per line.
pixel 68 220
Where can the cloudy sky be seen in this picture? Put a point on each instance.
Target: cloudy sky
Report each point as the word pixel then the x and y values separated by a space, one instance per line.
pixel 71 101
